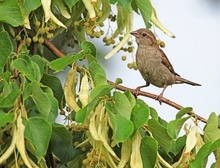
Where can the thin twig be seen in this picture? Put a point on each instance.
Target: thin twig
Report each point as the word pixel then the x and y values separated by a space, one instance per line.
pixel 59 54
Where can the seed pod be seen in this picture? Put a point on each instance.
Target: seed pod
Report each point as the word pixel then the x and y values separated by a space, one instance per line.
pixel 84 91
pixel 69 89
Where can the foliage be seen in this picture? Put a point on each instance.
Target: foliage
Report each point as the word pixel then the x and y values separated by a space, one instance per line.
pixel 104 127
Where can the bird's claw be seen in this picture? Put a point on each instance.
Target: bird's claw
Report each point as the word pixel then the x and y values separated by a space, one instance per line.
pixel 159 98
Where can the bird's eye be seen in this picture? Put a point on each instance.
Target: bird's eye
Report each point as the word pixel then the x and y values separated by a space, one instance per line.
pixel 144 34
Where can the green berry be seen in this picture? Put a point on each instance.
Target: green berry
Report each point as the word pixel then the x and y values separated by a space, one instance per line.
pixel 130 49
pixel 120 38
pixel 18 37
pixel 105 39
pixel 102 32
pixel 37 23
pixel 97 34
pixel 101 24
pixel 112 41
pixel 130 43
pixel 129 65
pixel 134 65
pixel 162 44
pixel 76 23
pixel 47 28
pixel 108 42
pixel 42 31
pixel 28 40
pixel 50 35
pixel 92 35
pixel 35 39
pixel 41 40
pixel 88 31
pixel 86 24
pixel 123 58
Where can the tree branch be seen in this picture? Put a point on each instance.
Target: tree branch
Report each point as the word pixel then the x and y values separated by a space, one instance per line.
pixel 153 96
pixel 58 53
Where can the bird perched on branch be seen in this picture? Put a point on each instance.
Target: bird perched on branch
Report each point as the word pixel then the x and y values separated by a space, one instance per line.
pixel 153 64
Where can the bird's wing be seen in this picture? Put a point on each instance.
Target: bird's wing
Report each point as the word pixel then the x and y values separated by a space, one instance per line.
pixel 167 63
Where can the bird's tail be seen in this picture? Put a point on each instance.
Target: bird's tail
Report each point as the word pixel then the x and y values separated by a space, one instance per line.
pixel 180 80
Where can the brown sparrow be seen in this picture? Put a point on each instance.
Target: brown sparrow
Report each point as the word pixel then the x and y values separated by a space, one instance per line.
pixel 153 64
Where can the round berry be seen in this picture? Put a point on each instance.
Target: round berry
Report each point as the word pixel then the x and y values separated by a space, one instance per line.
pixel 108 42
pixel 162 44
pixel 41 40
pixel 101 24
pixel 76 23
pixel 102 32
pixel 50 35
pixel 42 30
pixel 28 40
pixel 123 58
pixel 105 39
pixel 129 65
pixel 35 39
pixel 130 43
pixel 97 34
pixel 18 37
pixel 86 24
pixel 37 23
pixel 130 49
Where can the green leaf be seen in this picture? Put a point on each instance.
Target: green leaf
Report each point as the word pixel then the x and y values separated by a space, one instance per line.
pixel 153 113
pixel 40 98
pixel 160 134
pixel 130 97
pixel 98 73
pixel 70 4
pixel 94 98
pixel 211 131
pixel 30 5
pixel 183 111
pixel 10 12
pixel 122 105
pixel 89 47
pixel 39 132
pixel 124 3
pixel 62 145
pixel 204 152
pixel 39 61
pixel 140 114
pixel 9 93
pixel 174 126
pixel 28 68
pixel 122 17
pixel 113 1
pixel 122 127
pixel 179 145
pixel 5 47
pixel 55 84
pixel 148 150
pixel 60 63
pixel 6 118
pixel 54 108
pixel 145 8
pixel 100 91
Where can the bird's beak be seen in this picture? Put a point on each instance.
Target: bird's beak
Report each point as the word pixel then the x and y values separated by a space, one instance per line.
pixel 134 33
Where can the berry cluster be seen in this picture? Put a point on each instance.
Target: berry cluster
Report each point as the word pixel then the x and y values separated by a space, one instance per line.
pixel 42 30
pixel 94 160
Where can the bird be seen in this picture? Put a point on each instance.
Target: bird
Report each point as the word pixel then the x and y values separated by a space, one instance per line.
pixel 153 63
